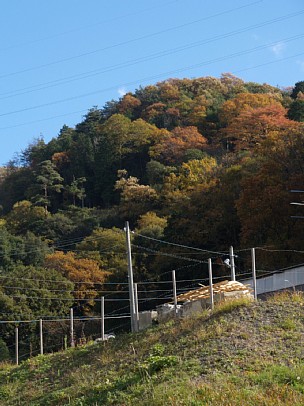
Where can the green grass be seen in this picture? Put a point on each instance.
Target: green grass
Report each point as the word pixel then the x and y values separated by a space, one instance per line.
pixel 242 353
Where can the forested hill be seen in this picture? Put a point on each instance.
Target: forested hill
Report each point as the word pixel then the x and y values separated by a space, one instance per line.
pixel 206 162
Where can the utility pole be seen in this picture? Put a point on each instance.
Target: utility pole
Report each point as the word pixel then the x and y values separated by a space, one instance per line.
pixel 72 327
pixel 41 336
pixel 232 264
pixel 130 278
pixel 136 308
pixel 174 293
pixel 255 294
pixel 102 318
pixel 17 345
pixel 210 283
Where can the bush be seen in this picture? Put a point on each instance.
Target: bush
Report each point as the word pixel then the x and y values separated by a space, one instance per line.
pixel 4 352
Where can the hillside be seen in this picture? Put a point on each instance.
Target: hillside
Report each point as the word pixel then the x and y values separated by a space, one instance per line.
pixel 194 165
pixel 240 354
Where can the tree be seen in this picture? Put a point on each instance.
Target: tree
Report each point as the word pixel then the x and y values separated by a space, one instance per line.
pixel 296 110
pixel 49 180
pixel 298 88
pixel 172 147
pixel 27 293
pixel 24 217
pixel 253 125
pixel 76 190
pixel 4 352
pixel 232 108
pixel 264 206
pixel 136 199
pixel 107 245
pixel 86 274
pixel 128 106
pixel 14 187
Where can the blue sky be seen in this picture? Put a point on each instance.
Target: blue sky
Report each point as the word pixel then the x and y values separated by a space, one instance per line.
pixel 60 58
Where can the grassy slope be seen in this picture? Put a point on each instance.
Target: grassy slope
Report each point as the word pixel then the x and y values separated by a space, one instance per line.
pixel 241 354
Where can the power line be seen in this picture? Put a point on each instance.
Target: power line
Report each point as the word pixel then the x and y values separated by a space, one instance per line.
pixel 179 245
pixel 190 67
pixel 83 111
pixel 93 25
pixel 88 74
pixel 127 42
pixel 166 254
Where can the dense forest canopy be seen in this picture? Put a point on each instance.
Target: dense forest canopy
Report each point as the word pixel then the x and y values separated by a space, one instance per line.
pixel 206 162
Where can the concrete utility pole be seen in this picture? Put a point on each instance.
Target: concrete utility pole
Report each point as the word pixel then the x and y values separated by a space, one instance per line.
pixel 102 318
pixel 174 292
pixel 17 345
pixel 130 278
pixel 72 327
pixel 255 293
pixel 136 307
pixel 210 283
pixel 232 264
pixel 41 336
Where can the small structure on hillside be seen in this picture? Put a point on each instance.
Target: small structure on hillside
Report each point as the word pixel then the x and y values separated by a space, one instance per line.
pixel 197 300
pixel 194 301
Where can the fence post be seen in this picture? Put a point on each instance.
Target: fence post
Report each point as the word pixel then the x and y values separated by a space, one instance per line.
pixel 174 292
pixel 41 336
pixel 136 308
pixel 210 283
pixel 255 293
pixel 72 327
pixel 102 318
pixel 232 264
pixel 17 345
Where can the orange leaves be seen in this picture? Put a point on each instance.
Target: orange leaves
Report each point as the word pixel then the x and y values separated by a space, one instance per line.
pixel 255 124
pixel 232 108
pixel 85 273
pixel 174 144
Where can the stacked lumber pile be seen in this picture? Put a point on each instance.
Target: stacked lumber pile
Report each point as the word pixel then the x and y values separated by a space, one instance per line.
pixel 223 288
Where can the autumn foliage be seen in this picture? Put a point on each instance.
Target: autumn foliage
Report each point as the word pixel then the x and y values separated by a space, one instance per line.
pixel 85 273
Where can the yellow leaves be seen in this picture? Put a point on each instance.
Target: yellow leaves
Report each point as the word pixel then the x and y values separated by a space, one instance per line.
pixel 151 218
pixel 197 172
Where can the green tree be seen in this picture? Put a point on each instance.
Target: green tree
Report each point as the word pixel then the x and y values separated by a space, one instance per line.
pixel 4 352
pixel 109 247
pixel 49 180
pixel 76 190
pixel 298 88
pixel 296 110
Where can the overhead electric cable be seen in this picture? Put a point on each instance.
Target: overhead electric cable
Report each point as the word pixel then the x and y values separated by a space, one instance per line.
pixel 124 43
pixel 99 23
pixel 180 245
pixel 219 59
pixel 81 76
pixel 84 111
